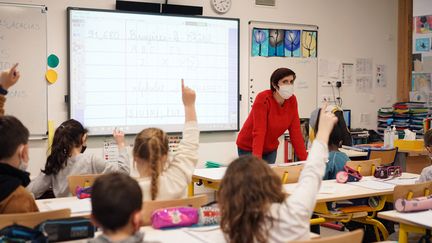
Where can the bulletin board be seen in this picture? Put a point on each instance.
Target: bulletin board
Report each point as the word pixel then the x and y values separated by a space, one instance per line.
pixel 295 46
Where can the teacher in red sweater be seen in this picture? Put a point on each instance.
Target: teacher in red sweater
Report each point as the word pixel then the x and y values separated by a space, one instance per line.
pixel 273 112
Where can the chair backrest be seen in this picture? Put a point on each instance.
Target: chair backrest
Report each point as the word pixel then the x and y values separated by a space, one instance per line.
pixel 32 219
pixel 365 167
pixel 387 156
pixel 80 180
pixel 355 236
pixel 412 190
pixel 150 206
pixel 288 174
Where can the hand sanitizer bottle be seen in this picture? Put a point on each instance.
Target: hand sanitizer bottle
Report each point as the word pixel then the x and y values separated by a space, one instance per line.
pixel 388 134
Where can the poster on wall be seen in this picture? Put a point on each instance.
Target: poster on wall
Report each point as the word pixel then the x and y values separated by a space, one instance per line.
pixel 260 40
pixel 417 65
pixel 423 24
pixel 309 43
pixel 292 43
pixel 276 43
pixel 421 82
pixel 422 44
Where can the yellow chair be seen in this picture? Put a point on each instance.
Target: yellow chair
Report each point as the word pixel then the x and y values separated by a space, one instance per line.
pixel 355 236
pixel 387 156
pixel 80 180
pixel 288 174
pixel 365 167
pixel 409 192
pixel 150 206
pixel 32 219
pixel 360 213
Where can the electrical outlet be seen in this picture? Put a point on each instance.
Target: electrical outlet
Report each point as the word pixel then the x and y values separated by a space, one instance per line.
pixel 328 83
pixel 327 98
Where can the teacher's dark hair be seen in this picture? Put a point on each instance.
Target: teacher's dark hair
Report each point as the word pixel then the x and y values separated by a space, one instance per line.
pixel 279 74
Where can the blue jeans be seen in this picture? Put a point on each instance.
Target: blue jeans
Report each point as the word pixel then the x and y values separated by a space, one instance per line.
pixel 269 157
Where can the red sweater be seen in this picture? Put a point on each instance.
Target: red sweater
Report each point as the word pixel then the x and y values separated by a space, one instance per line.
pixel 267 122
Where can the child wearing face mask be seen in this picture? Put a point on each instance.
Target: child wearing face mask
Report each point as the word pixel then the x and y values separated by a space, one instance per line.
pixel 67 159
pixel 426 174
pixel 273 112
pixel 14 198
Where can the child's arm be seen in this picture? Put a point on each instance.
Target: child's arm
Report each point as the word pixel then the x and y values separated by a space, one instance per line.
pixel 40 185
pixel 179 173
pixel 426 174
pixel 188 97
pixel 298 207
pixel 7 79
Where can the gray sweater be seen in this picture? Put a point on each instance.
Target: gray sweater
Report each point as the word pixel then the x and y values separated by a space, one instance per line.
pixel 77 165
pixel 136 238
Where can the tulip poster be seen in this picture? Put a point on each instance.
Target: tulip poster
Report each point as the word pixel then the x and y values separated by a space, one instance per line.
pixel 284 43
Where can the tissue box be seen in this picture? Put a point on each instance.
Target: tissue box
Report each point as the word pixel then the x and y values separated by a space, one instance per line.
pixel 409 144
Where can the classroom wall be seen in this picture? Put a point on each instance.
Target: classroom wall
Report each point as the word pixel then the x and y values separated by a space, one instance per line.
pixel 348 29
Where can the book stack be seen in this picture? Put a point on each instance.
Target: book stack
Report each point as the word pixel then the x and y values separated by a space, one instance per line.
pixel 384 114
pixel 406 115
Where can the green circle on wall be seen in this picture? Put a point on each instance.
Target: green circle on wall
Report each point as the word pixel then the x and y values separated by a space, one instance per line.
pixel 53 61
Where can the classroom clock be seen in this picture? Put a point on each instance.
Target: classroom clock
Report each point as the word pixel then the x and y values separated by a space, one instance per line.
pixel 221 6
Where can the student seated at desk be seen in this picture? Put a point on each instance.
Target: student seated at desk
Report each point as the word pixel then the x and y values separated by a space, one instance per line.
pixel 14 198
pixel 337 159
pixel 161 178
pixel 253 205
pixel 116 208
pixel 67 158
pixel 426 174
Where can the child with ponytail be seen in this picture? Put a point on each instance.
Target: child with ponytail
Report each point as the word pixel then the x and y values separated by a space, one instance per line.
pixel 67 158
pixel 161 178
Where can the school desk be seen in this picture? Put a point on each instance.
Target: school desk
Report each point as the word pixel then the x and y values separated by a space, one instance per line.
pixel 331 191
pixel 409 222
pixel 209 177
pixel 210 234
pixel 353 153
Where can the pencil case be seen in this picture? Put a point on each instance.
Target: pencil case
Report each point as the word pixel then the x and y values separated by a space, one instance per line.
pixel 348 175
pixel 209 215
pixel 83 192
pixel 413 205
pixel 174 217
pixel 384 172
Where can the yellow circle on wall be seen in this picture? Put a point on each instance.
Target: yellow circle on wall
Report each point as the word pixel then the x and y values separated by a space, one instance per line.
pixel 51 76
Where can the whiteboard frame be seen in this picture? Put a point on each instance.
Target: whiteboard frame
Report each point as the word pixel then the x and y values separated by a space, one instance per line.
pixel 68 97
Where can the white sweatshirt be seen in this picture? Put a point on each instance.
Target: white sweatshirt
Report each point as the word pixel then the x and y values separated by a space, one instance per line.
pixel 292 217
pixel 175 178
pixel 77 165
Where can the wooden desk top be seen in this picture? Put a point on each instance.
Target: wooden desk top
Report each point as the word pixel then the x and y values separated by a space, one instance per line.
pixel 418 219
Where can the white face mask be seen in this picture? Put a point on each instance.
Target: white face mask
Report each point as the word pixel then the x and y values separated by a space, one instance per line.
pixel 23 165
pixel 286 91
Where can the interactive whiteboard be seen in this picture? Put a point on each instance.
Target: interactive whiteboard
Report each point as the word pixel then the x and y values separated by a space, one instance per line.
pixel 125 70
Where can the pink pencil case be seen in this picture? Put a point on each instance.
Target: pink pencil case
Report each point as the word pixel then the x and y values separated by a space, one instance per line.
pixel 174 217
pixel 416 204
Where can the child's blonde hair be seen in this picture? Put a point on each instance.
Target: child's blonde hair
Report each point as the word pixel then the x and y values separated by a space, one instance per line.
pixel 151 145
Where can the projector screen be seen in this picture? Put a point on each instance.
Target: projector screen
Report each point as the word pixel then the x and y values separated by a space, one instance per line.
pixel 125 70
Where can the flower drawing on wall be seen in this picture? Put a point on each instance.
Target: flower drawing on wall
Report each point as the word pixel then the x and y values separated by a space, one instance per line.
pixel 423 24
pixel 276 42
pixel 260 42
pixel 292 43
pixel 309 43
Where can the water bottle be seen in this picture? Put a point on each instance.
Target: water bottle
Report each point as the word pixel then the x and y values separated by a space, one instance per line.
pixel 388 138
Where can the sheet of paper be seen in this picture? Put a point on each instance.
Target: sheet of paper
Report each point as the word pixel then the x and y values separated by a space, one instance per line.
pixel 212 173
pixel 211 234
pixel 372 184
pixel 364 84
pixel 347 73
pixel 76 206
pixel 380 76
pixel 364 66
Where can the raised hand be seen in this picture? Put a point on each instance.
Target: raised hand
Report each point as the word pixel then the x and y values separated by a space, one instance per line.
pixel 188 95
pixel 10 77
